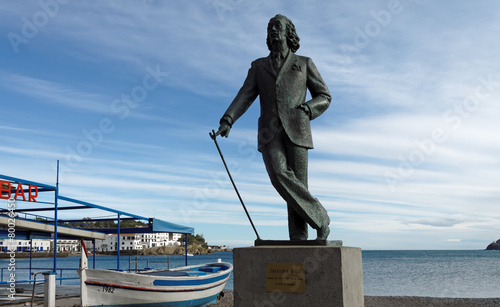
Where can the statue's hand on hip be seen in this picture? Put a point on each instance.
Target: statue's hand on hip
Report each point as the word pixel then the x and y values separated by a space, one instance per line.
pixel 305 108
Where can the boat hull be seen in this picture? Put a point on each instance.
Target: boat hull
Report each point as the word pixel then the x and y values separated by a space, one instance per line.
pixel 155 288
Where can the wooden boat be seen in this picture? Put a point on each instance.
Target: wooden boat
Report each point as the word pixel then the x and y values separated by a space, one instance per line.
pixel 195 285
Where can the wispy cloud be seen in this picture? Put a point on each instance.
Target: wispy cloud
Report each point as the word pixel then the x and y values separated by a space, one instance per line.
pixel 438 222
pixel 56 94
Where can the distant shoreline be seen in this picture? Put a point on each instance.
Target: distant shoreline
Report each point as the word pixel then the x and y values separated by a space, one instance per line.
pixel 36 254
pixel 4 255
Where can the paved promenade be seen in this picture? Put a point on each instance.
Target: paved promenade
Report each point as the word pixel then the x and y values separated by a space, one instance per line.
pixel 69 296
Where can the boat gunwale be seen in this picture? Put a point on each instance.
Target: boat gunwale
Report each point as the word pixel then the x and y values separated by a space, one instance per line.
pixel 162 289
pixel 228 268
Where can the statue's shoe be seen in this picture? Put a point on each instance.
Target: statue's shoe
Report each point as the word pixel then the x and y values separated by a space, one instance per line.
pixel 323 232
pixel 298 238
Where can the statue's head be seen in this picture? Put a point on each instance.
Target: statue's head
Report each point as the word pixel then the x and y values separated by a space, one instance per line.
pixel 285 25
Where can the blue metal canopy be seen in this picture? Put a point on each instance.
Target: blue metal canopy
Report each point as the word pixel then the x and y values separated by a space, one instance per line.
pixel 163 226
pixel 32 227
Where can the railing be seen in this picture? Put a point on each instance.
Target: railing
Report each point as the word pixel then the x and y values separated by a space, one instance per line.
pixel 34 280
pixel 147 263
pixel 61 270
pixel 130 262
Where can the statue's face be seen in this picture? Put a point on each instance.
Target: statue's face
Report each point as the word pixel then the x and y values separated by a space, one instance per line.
pixel 276 30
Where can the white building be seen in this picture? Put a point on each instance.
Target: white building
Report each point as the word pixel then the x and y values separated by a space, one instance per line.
pixel 68 245
pixel 39 245
pixel 134 241
pixel 149 240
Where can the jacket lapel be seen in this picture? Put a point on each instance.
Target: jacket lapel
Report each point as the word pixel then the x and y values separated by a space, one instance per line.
pixel 268 66
pixel 290 60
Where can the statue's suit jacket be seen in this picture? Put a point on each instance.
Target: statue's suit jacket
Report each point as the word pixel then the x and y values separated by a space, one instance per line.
pixel 281 93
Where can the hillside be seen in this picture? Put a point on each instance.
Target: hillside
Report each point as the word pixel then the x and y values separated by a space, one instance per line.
pixel 494 246
pixel 196 246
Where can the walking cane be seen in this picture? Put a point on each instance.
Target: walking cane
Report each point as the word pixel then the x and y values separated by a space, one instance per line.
pixel 213 135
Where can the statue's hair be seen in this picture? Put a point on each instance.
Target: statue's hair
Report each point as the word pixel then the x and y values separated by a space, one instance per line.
pixel 292 39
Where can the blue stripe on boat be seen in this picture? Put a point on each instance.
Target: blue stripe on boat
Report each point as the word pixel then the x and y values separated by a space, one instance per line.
pixel 193 282
pixel 134 288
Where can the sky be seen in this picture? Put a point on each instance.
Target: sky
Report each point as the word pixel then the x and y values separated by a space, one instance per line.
pixel 125 93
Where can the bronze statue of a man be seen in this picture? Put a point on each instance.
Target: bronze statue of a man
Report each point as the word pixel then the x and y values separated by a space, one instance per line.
pixel 284 133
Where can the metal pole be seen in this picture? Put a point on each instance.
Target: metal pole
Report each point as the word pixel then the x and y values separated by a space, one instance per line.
pixel 118 241
pixel 186 244
pixel 55 219
pixel 31 252
pixel 93 258
pixel 213 135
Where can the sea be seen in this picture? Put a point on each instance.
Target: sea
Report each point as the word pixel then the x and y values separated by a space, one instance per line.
pixel 434 273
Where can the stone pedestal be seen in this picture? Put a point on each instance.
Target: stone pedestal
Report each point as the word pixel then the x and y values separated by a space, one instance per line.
pixel 267 276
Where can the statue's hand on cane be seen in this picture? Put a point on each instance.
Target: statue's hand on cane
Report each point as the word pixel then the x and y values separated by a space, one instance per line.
pixel 224 129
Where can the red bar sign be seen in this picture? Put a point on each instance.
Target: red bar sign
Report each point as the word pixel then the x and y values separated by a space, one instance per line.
pixel 7 189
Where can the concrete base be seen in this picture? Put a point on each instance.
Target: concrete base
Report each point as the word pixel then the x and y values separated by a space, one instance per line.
pixel 333 276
